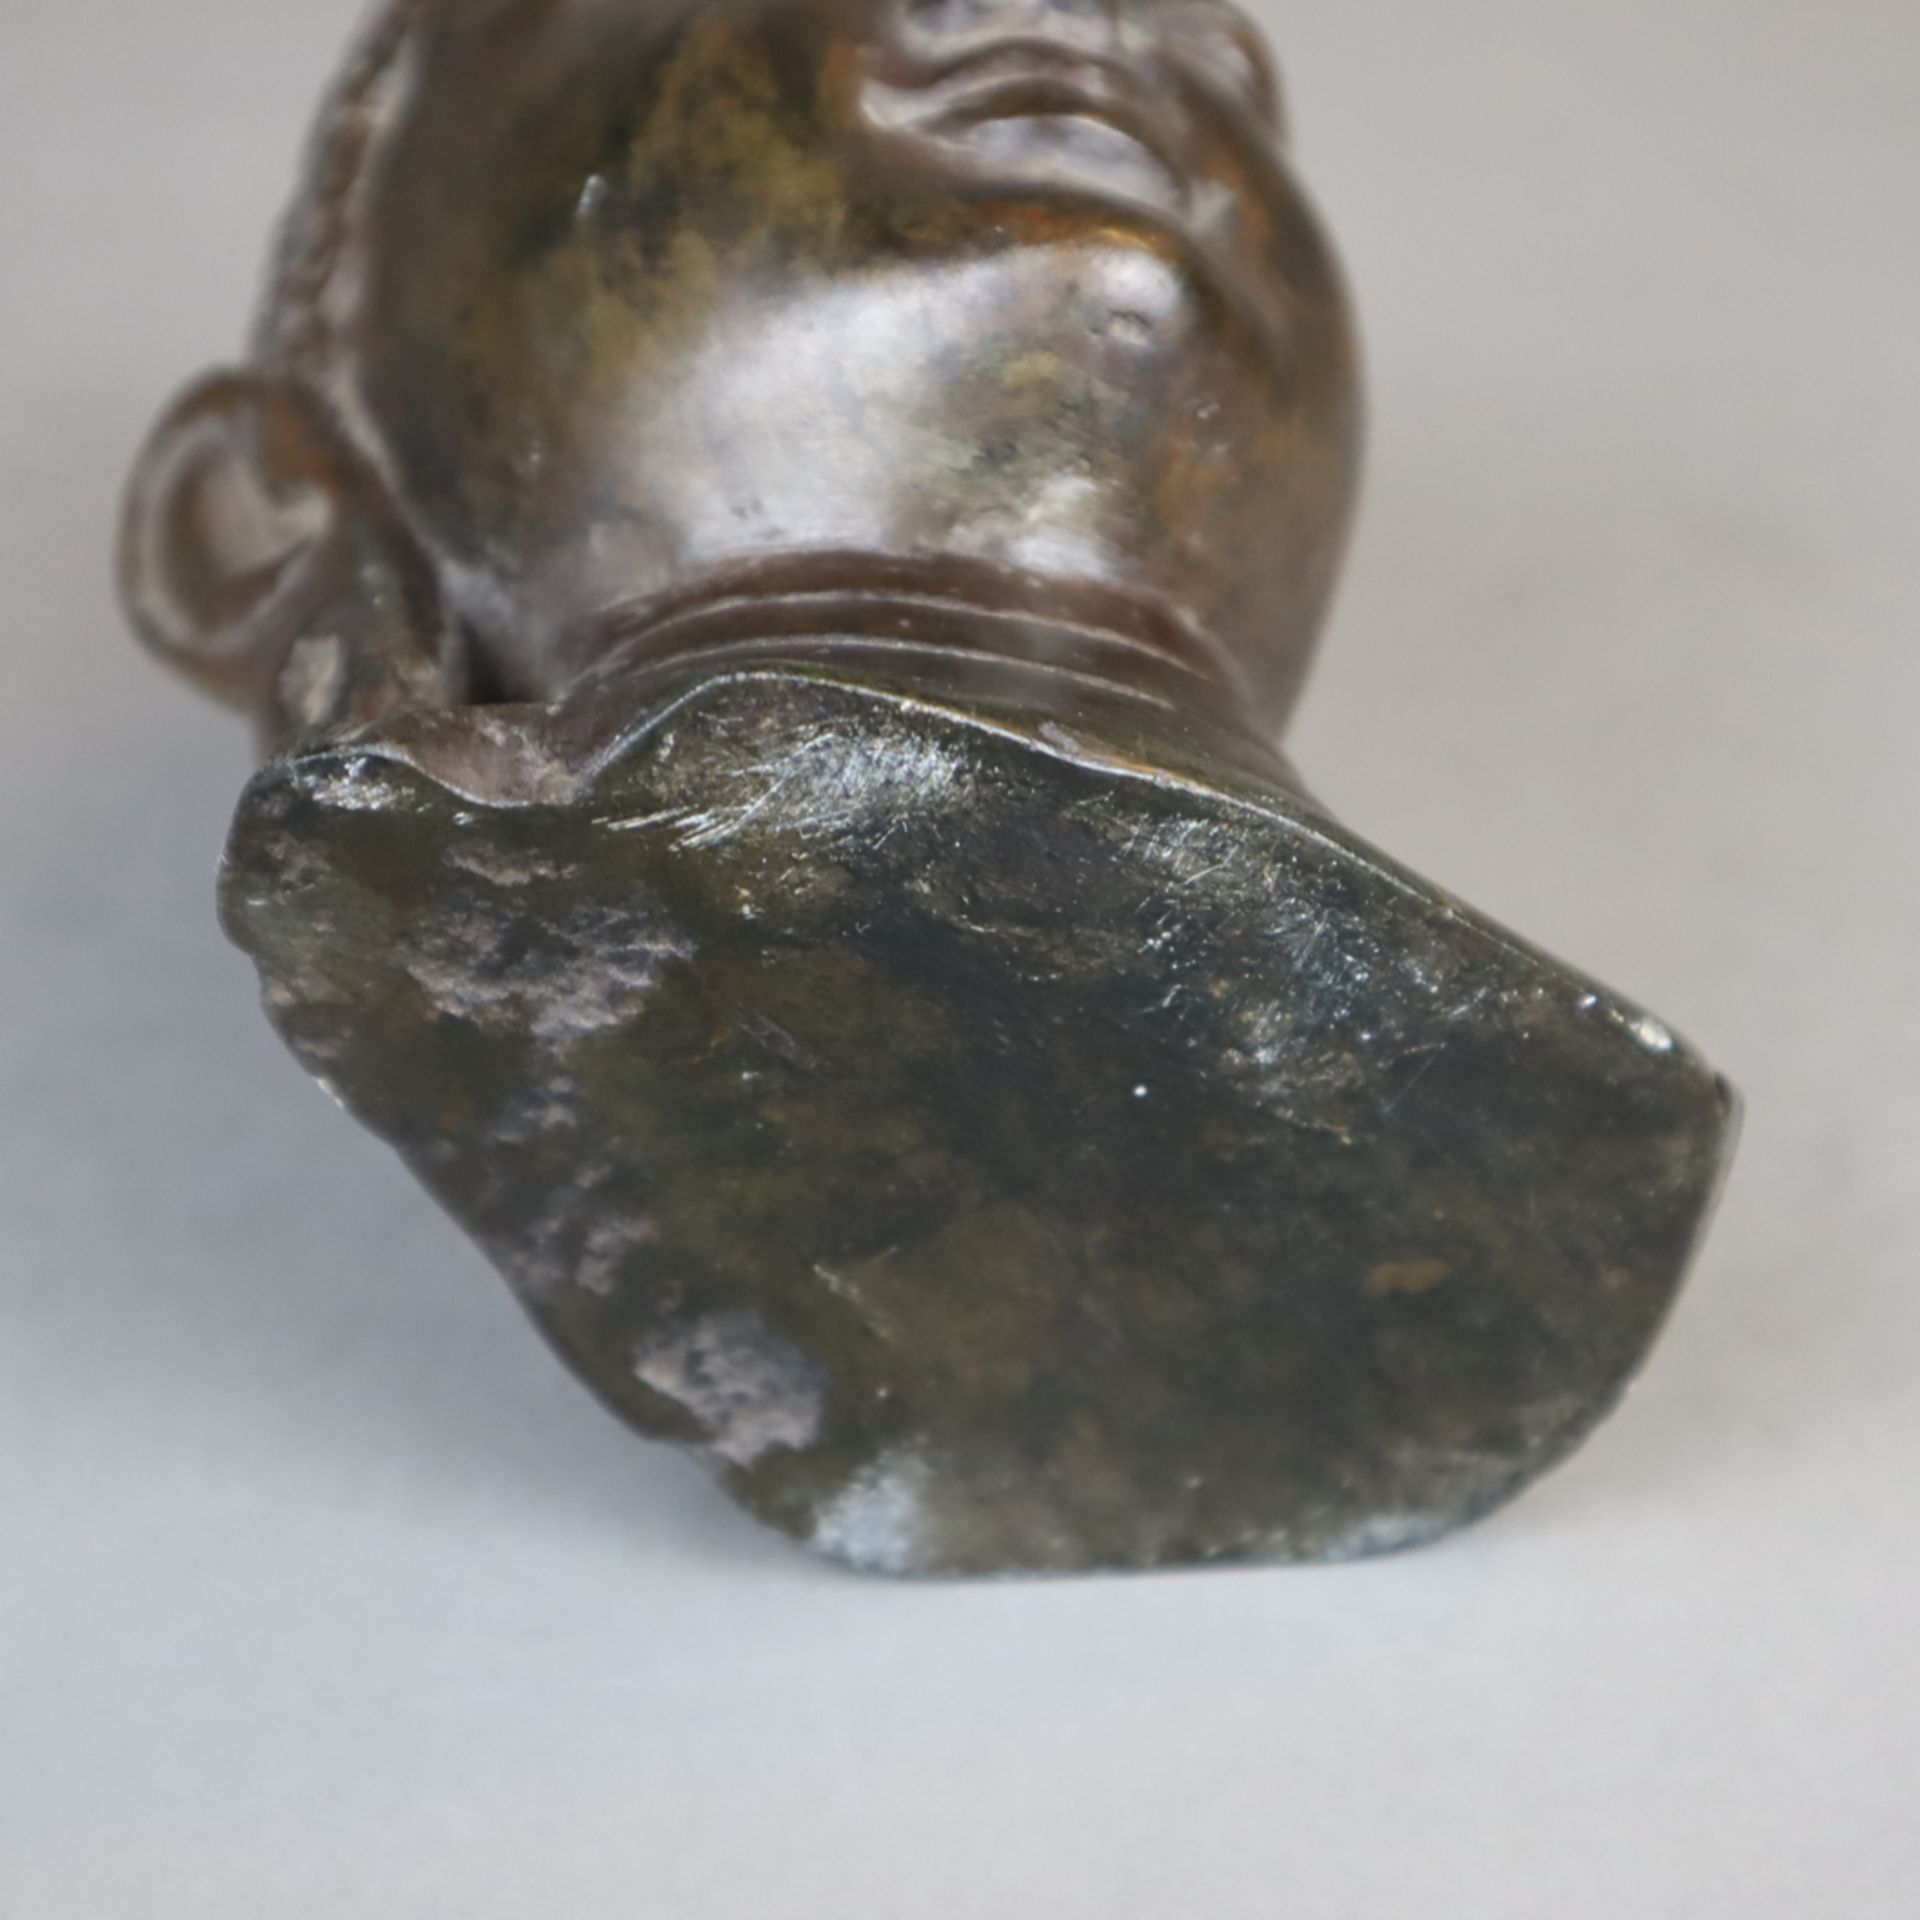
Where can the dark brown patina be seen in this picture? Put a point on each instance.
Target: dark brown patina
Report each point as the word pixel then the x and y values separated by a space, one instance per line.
pixel 770 543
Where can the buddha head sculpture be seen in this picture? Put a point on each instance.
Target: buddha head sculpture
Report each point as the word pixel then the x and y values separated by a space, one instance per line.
pixel 618 299
pixel 769 543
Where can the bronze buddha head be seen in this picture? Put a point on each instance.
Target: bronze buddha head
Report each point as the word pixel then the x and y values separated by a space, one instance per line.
pixel 769 543
pixel 621 302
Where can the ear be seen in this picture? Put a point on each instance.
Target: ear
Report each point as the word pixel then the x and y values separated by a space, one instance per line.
pixel 261 558
pixel 228 507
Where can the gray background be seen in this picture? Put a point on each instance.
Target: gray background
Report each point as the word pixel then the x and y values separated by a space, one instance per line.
pixel 323 1592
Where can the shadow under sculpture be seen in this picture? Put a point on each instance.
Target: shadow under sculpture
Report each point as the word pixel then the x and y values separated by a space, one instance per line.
pixel 769 544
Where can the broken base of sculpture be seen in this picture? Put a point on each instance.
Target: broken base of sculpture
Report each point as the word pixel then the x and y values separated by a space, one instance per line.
pixel 995 1147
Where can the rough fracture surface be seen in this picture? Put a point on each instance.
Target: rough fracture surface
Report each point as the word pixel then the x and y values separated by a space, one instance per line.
pixel 770 545
pixel 992 1155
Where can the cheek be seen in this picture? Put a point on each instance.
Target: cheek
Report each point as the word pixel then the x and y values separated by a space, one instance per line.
pixel 1127 411
pixel 1070 381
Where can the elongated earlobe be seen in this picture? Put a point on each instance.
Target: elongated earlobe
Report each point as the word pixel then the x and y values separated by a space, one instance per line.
pixel 230 504
pixel 260 558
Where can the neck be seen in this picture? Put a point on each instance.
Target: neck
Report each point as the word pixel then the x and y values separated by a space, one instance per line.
pixel 867 607
pixel 1084 668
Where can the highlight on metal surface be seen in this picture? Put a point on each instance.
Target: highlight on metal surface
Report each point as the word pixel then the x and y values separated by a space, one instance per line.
pixel 770 545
